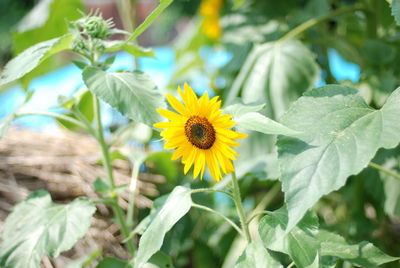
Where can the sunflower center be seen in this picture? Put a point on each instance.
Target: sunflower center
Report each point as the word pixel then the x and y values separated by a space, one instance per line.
pixel 200 132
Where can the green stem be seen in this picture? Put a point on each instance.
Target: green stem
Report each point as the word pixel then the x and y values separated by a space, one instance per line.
pixel 132 193
pixel 384 170
pixel 239 207
pixel 312 22
pixel 221 215
pixel 107 164
pixel 54 115
pixel 128 17
pixel 255 215
pixel 202 190
pixel 372 20
pixel 292 264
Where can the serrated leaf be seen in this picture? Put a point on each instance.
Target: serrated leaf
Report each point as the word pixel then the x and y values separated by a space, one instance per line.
pixel 276 73
pixel 300 243
pixel 32 57
pixel 38 227
pixel 396 10
pixel 341 134
pixel 176 206
pixel 132 94
pixel 363 254
pixel 256 255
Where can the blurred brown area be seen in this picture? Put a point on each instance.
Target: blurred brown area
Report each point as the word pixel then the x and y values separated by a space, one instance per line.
pixel 66 165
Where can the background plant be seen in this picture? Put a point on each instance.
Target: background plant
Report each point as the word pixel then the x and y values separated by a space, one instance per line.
pixel 332 150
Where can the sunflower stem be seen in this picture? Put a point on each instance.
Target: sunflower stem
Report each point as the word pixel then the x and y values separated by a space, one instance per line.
pixel 202 190
pixel 239 207
pixel 237 228
pixel 119 214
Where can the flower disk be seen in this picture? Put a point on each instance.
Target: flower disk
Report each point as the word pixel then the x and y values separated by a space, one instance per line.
pixel 200 134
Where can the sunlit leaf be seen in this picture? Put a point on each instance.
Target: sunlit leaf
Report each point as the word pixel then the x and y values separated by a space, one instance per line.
pixel 341 134
pixel 47 20
pixel 256 255
pixel 396 10
pixel 132 94
pixel 363 254
pixel 276 73
pixel 300 243
pixel 175 207
pixel 32 57
pixel 38 227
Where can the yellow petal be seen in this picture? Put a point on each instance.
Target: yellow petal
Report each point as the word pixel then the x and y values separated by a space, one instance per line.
pixel 171 115
pixel 199 163
pixel 176 104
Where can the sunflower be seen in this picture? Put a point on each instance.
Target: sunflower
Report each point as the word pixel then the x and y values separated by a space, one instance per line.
pixel 200 133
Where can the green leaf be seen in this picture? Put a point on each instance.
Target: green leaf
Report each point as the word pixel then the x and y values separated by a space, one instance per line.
pixel 159 260
pixel 341 134
pixel 32 57
pixel 163 165
pixel 38 227
pixel 276 73
pixel 113 263
pixel 134 50
pixel 150 19
pixel 132 94
pixel 378 52
pixel 396 10
pixel 256 255
pixel 239 109
pixel 84 261
pixel 300 243
pixel 246 117
pixel 263 124
pixel 363 254
pixel 238 3
pixel 47 20
pixel 176 206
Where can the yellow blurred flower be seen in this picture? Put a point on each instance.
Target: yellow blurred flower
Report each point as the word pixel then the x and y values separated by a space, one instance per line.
pixel 210 9
pixel 200 134
pixel 212 28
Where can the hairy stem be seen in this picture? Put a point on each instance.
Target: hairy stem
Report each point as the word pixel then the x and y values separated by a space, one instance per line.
pixel 127 12
pixel 384 170
pixel 119 214
pixel 221 215
pixel 54 115
pixel 239 207
pixel 312 22
pixel 202 190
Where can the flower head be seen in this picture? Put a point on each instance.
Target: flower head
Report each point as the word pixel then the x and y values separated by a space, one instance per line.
pixel 200 133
